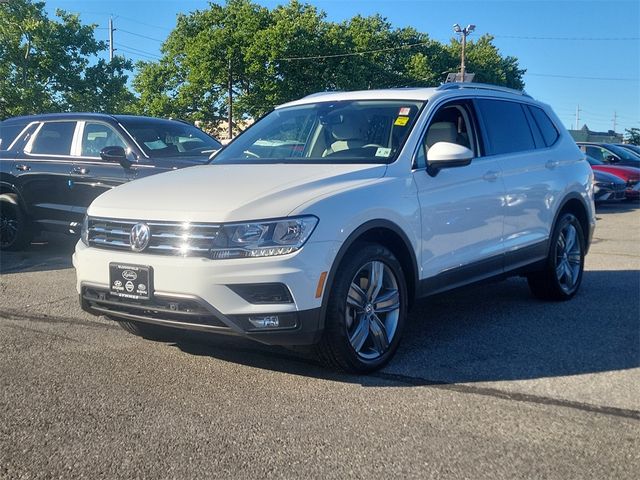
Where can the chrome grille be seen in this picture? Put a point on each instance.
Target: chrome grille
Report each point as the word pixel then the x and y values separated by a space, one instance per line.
pixel 167 238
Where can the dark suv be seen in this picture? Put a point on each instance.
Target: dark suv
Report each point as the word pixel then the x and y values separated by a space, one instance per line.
pixel 610 153
pixel 53 166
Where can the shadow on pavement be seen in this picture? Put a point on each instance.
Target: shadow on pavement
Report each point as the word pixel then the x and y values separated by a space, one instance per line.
pixel 485 333
pixel 48 252
pixel 618 207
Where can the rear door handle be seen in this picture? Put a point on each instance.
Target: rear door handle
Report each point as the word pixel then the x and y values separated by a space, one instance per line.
pixel 491 176
pixel 80 170
pixel 22 167
pixel 551 164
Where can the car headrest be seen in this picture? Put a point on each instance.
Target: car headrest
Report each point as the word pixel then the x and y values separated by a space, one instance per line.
pixel 441 132
pixel 352 127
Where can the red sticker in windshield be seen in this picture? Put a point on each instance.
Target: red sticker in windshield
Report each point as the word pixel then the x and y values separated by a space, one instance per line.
pixel 404 111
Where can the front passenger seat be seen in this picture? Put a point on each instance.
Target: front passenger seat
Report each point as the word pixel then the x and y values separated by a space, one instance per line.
pixel 442 132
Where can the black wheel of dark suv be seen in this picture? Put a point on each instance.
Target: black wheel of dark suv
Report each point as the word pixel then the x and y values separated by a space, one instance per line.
pixel 366 311
pixel 14 226
pixel 562 274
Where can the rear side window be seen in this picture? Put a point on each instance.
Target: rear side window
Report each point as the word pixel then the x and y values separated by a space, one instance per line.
pixel 54 138
pixel 506 126
pixel 8 133
pixel 548 130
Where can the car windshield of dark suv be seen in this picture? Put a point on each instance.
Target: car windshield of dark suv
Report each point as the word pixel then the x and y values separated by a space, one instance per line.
pixel 361 131
pixel 624 153
pixel 167 138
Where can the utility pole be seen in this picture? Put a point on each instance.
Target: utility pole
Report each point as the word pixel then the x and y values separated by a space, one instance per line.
pixel 463 32
pixel 230 119
pixel 578 117
pixel 615 122
pixel 111 29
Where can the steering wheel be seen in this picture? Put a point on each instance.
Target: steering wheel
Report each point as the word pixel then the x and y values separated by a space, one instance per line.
pixel 251 154
pixel 373 145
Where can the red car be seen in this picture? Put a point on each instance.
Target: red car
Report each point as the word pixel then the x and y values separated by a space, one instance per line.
pixel 631 175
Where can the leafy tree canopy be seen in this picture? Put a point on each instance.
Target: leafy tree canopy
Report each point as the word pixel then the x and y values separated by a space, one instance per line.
pixel 632 136
pixel 51 65
pixel 269 57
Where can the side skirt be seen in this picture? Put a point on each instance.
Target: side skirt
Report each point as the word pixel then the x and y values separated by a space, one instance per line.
pixel 499 267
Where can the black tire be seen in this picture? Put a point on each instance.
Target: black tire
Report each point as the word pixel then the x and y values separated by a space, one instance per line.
pixel 346 324
pixel 561 276
pixel 15 229
pixel 147 331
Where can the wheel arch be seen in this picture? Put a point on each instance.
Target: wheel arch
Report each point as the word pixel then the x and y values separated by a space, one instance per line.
pixel 7 187
pixel 391 236
pixel 575 204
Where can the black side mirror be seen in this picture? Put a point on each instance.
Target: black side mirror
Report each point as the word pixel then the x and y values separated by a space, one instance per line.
pixel 115 155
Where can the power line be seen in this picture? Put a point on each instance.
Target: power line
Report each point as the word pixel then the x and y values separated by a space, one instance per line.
pixel 145 24
pixel 583 78
pixel 597 39
pixel 138 54
pixel 352 54
pixel 141 36
pixel 144 52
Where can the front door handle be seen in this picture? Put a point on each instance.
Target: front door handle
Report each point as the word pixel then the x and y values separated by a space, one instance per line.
pixel 22 167
pixel 80 170
pixel 491 176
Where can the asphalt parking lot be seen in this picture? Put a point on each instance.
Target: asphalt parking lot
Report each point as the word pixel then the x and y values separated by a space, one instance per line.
pixel 488 383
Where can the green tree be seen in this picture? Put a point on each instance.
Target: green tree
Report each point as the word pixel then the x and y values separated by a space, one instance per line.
pixel 632 135
pixel 273 56
pixel 203 55
pixel 51 65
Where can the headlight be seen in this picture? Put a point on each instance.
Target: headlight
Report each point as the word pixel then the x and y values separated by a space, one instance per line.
pixel 84 232
pixel 262 239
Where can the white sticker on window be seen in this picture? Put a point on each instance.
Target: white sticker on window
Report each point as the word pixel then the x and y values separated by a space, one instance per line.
pixel 383 152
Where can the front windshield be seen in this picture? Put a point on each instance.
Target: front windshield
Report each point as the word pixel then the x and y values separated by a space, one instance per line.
pixel 363 131
pixel 624 153
pixel 594 161
pixel 168 138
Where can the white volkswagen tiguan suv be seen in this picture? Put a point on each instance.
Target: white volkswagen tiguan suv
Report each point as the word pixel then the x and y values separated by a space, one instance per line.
pixel 323 222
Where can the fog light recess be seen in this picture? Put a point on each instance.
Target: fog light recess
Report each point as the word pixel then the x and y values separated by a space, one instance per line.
pixel 258 322
pixel 265 321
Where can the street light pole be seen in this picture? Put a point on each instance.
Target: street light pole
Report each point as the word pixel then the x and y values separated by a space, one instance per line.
pixel 463 32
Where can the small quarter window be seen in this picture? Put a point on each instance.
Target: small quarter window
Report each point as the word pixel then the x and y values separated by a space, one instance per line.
pixel 506 125
pixel 548 130
pixel 54 138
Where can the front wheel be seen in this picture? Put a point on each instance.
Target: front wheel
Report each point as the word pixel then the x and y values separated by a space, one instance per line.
pixel 562 274
pixel 366 311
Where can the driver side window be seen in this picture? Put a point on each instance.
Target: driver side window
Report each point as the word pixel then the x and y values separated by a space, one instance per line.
pixel 451 124
pixel 96 136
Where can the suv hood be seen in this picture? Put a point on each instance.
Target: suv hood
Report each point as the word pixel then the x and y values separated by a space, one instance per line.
pixel 224 193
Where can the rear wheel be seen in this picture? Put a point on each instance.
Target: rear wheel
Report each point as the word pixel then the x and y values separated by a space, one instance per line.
pixel 366 311
pixel 15 232
pixel 562 274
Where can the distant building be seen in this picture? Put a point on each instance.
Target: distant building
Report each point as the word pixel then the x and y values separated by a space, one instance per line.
pixel 586 135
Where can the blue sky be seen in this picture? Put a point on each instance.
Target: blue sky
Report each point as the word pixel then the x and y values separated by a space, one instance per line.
pixel 583 53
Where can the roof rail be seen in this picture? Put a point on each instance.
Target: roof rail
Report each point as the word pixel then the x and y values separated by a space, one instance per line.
pixel 317 94
pixel 481 86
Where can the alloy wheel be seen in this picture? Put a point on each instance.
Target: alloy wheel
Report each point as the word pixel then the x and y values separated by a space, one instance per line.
pixel 373 309
pixel 8 226
pixel 568 258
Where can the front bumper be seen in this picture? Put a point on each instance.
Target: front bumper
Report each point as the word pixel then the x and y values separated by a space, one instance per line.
pixel 193 293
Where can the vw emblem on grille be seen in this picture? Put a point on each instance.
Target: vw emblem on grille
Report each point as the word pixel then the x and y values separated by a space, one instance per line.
pixel 139 237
